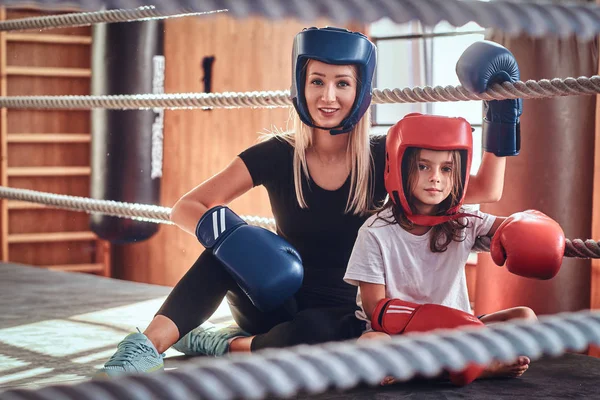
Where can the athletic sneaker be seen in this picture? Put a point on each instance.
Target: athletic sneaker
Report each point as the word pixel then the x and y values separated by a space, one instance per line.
pixel 208 341
pixel 135 354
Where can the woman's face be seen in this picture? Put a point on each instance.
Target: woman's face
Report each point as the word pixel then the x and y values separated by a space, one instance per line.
pixel 330 91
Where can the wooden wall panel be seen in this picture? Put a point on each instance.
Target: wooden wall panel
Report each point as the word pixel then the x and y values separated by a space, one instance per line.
pixel 595 292
pixel 51 121
pixel 3 145
pixel 251 54
pixel 48 55
pixel 595 275
pixel 61 253
pixel 71 185
pixel 48 154
pixel 32 221
pixel 48 62
pixel 47 86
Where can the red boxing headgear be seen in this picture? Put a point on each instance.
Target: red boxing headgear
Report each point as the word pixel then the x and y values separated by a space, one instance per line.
pixel 428 132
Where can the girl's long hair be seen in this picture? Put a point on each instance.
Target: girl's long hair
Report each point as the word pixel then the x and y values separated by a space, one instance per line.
pixel 443 234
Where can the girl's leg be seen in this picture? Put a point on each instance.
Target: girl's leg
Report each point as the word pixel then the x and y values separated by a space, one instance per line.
pixel 508 314
pixel 514 370
pixel 388 380
pixel 374 335
pixel 520 366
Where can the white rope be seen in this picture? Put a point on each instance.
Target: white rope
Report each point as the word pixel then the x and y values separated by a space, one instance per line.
pixel 514 18
pixel 141 212
pixel 577 248
pixel 525 90
pixel 315 369
pixel 89 18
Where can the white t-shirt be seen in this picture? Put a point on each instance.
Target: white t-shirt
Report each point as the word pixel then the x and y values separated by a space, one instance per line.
pixel 389 255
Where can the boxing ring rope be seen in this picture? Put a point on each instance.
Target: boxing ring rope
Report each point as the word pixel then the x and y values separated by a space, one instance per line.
pixel 140 212
pixel 89 18
pixel 341 365
pixel 576 248
pixel 534 19
pixel 530 89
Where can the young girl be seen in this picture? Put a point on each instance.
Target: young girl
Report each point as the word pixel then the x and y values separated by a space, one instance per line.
pixel 414 249
pixel 323 178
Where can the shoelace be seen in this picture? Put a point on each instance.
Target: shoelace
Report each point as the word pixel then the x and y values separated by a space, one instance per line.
pixel 197 341
pixel 127 350
pixel 208 339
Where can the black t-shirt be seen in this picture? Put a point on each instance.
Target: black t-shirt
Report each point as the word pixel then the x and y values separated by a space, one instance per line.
pixel 322 233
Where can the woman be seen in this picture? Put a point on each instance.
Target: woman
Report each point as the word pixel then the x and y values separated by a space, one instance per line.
pixel 323 179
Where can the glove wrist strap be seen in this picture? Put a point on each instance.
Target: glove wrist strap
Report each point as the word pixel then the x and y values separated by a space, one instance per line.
pixel 216 224
pixel 502 139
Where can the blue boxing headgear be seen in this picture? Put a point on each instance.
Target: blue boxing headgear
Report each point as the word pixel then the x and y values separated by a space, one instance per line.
pixel 333 46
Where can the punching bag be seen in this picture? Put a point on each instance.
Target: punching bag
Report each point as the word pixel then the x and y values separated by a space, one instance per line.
pixel 126 149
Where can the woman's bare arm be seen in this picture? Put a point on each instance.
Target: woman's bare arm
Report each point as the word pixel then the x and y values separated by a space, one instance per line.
pixel 221 189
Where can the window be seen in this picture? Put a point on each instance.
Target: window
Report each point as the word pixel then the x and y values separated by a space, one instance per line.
pixel 410 55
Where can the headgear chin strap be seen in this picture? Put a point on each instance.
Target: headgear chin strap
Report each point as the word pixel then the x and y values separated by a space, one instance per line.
pixel 339 47
pixel 428 132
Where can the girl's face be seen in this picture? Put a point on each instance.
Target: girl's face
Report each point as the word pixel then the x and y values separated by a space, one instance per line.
pixel 433 179
pixel 330 91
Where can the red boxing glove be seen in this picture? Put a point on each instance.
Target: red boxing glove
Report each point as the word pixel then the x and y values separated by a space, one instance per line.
pixel 395 316
pixel 531 243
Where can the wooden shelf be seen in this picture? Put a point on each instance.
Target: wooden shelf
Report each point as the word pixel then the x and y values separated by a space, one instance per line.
pixel 49 72
pixel 51 237
pixel 76 267
pixel 31 138
pixel 48 138
pixel 48 171
pixel 47 38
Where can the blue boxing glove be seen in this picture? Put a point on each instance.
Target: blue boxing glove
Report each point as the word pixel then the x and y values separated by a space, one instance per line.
pixel 266 267
pixel 480 66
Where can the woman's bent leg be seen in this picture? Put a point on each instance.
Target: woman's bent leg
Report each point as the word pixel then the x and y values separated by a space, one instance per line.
pixel 197 295
pixel 312 326
pixel 216 341
pixel 193 300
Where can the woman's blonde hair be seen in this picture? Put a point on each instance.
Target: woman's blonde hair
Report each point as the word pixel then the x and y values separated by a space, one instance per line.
pixel 300 137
